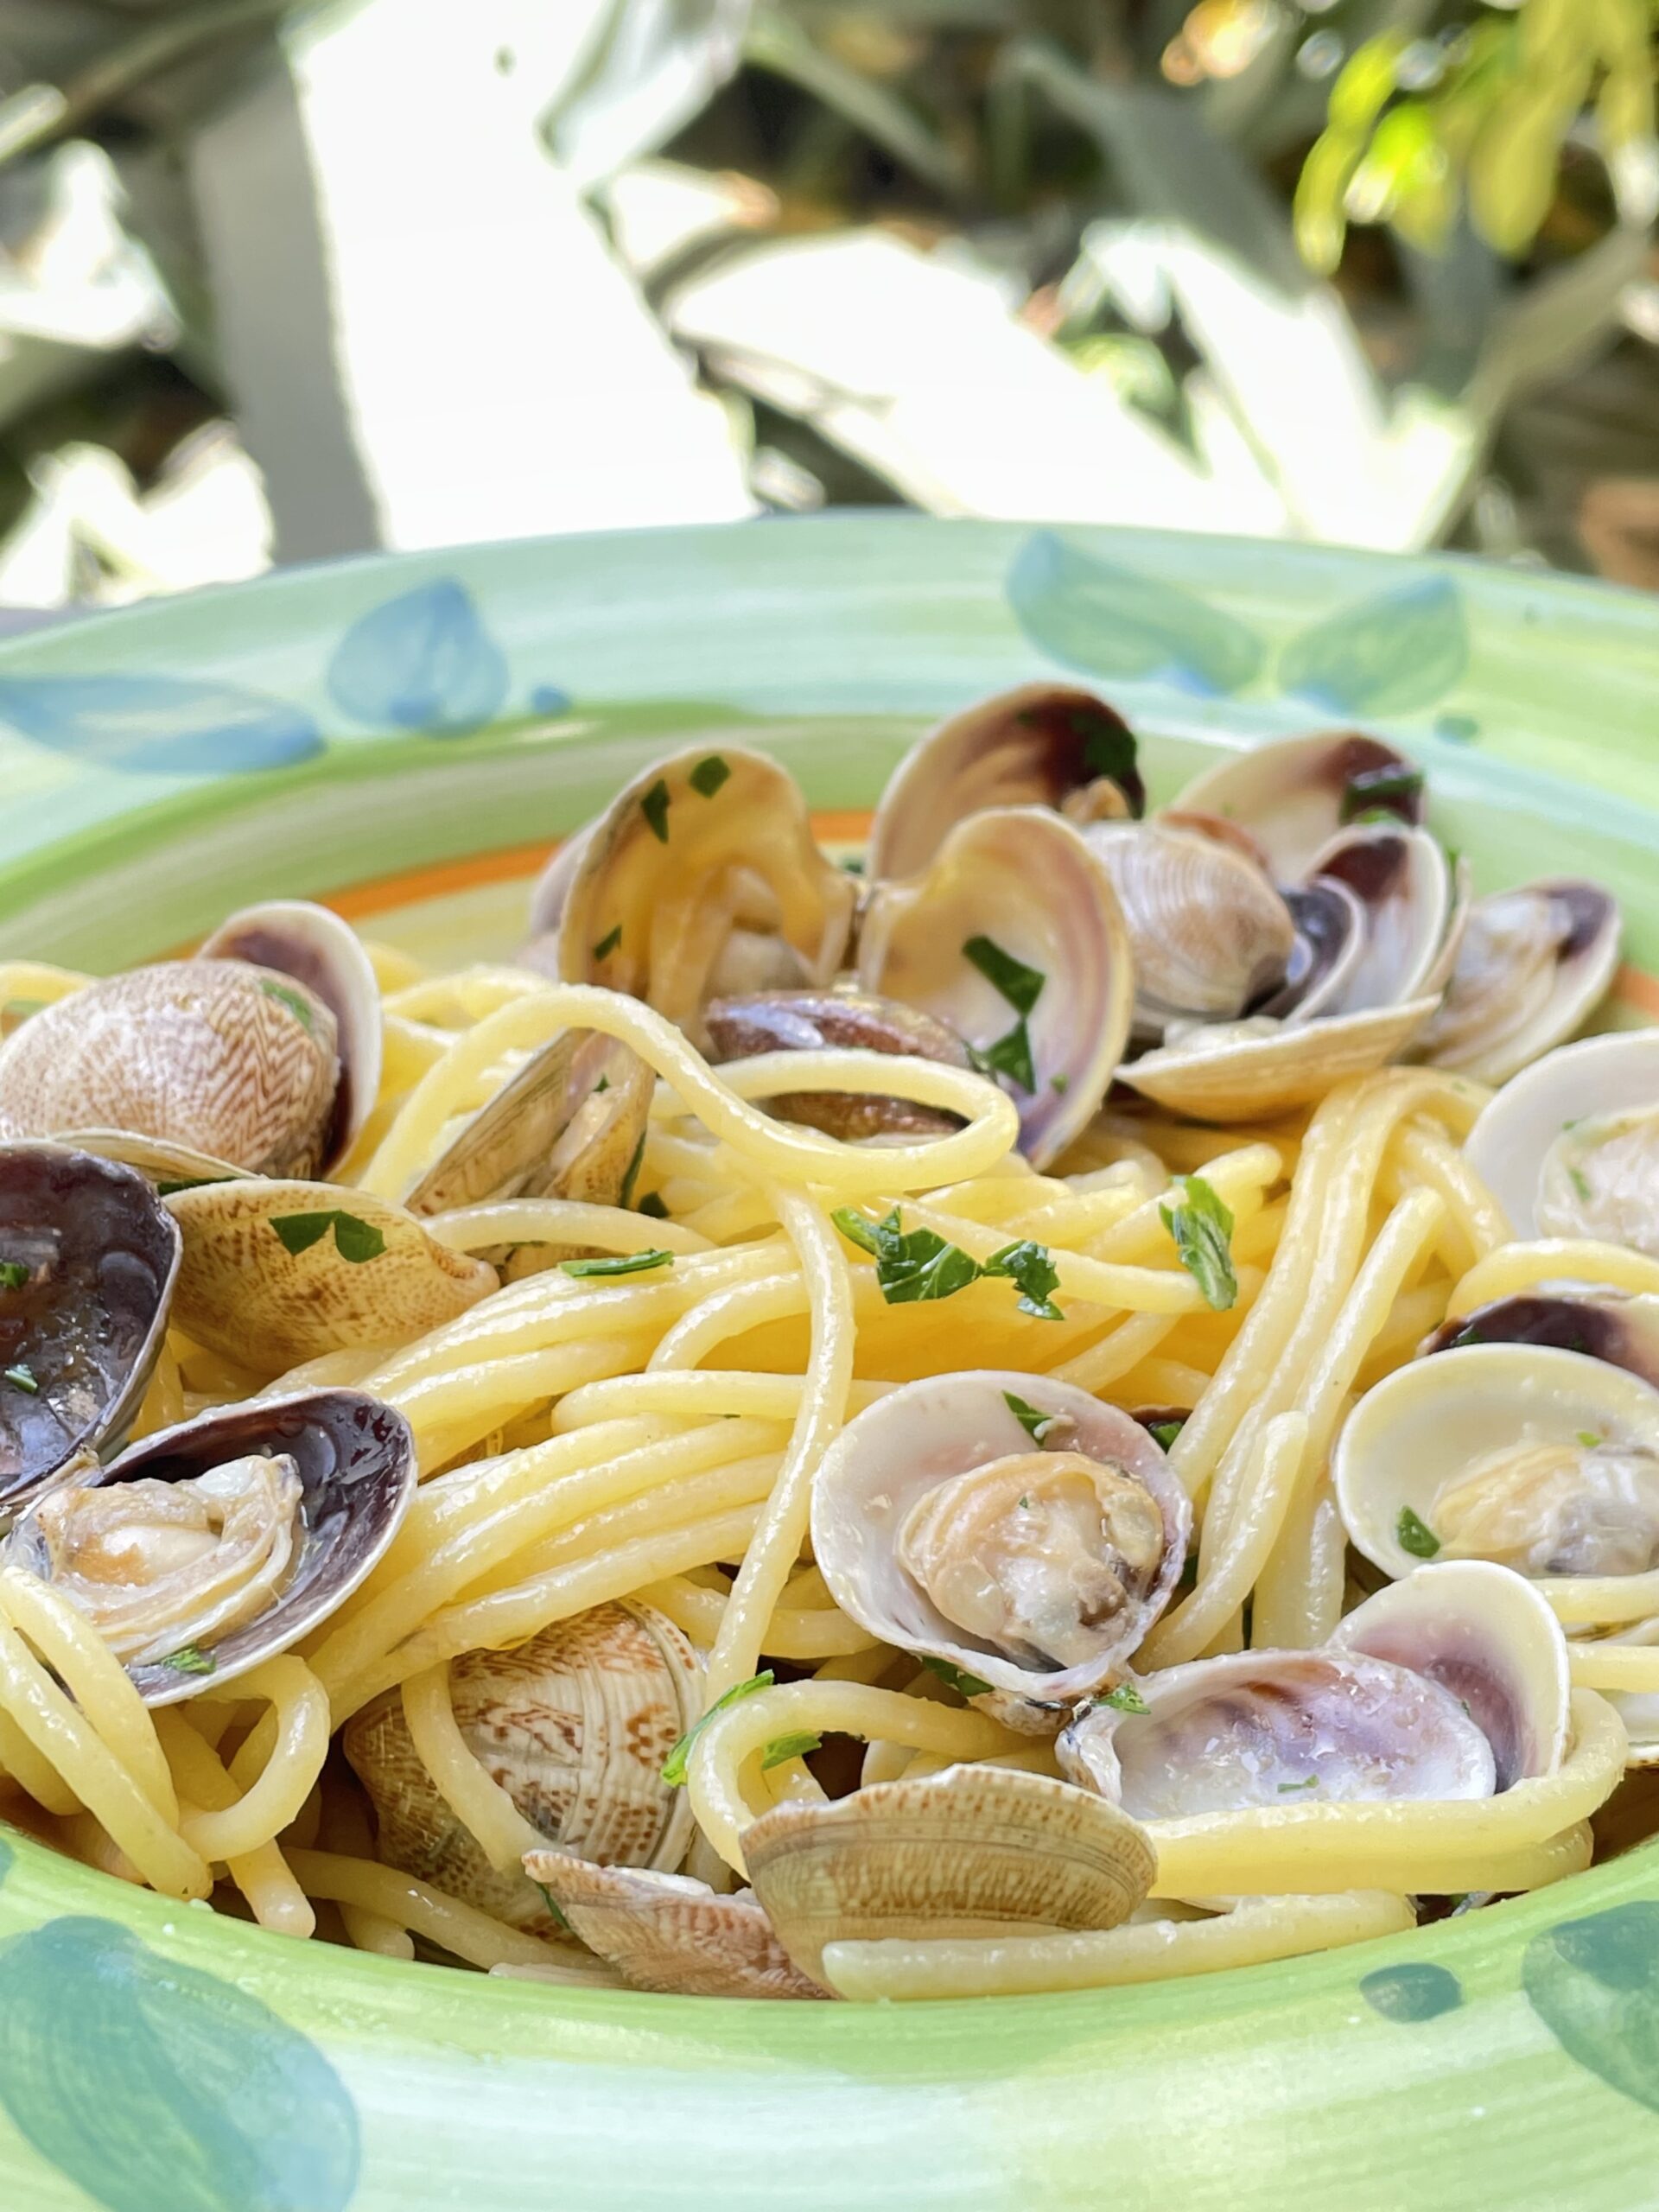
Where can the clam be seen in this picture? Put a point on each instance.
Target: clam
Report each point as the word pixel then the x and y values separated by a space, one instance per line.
pixel 276 1272
pixel 1405 887
pixel 1225 1071
pixel 1292 795
pixel 1453 1685
pixel 1541 1459
pixel 88 1256
pixel 1533 965
pixel 973 1850
pixel 808 1021
pixel 1330 925
pixel 693 848
pixel 575 1726
pixel 1041 745
pixel 1014 938
pixel 211 1545
pixel 1570 1147
pixel 668 1932
pixel 1009 1525
pixel 1619 1327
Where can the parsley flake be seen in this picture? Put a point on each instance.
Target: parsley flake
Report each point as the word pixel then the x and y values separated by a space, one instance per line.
pixel 653 1204
pixel 1021 986
pixel 1394 790
pixel 1035 1424
pixel 1202 1226
pixel 354 1240
pixel 910 1266
pixel 1164 1432
pixel 1308 1782
pixel 285 995
pixel 552 1904
pixel 1010 1055
pixel 1030 1267
pixel 189 1659
pixel 608 943
pixel 1414 1535
pixel 708 775
pixel 625 1197
pixel 23 1378
pixel 674 1767
pixel 1588 1437
pixel 619 1263
pixel 955 1678
pixel 654 807
pixel 1580 1181
pixel 1124 1699
pixel 789 1747
pixel 13 1274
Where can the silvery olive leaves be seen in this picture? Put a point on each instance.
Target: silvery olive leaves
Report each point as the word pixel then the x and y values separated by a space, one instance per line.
pixel 1393 653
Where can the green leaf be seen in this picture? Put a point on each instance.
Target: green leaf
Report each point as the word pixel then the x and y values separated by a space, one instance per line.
pixel 654 807
pixel 955 1678
pixel 1164 1432
pixel 552 1904
pixel 189 1659
pixel 1124 1699
pixel 13 1274
pixel 708 775
pixel 1415 1536
pixel 619 1263
pixel 1035 1424
pixel 1093 614
pixel 653 1204
pixel 354 1240
pixel 1009 1056
pixel 1389 655
pixel 911 1266
pixel 1021 986
pixel 1367 796
pixel 285 995
pixel 626 1196
pixel 608 943
pixel 789 1747
pixel 1030 1266
pixel 1202 1226
pixel 1580 1181
pixel 165 1190
pixel 1308 1782
pixel 1588 1437
pixel 857 1230
pixel 674 1766
pixel 23 1378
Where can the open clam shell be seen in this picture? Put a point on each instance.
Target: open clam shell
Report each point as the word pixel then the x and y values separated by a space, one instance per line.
pixel 1533 965
pixel 1014 938
pixel 1226 1071
pixel 1542 1460
pixel 1570 1147
pixel 82 1330
pixel 669 1933
pixel 575 1726
pixel 695 847
pixel 1330 925
pixel 1616 1325
pixel 1405 887
pixel 1046 745
pixel 973 1850
pixel 938 1495
pixel 1292 795
pixel 274 1273
pixel 807 1021
pixel 293 937
pixel 351 1463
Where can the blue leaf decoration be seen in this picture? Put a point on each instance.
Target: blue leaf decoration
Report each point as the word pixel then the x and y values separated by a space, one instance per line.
pixel 1407 1993
pixel 1594 1983
pixel 159 725
pixel 1390 655
pixel 156 2087
pixel 1108 621
pixel 423 661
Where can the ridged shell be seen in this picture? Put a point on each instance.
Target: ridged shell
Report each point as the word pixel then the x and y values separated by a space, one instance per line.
pixel 1233 1071
pixel 974 1851
pixel 227 1059
pixel 1208 933
pixel 1533 965
pixel 1404 884
pixel 1293 793
pixel 806 1021
pixel 668 1933
pixel 575 1726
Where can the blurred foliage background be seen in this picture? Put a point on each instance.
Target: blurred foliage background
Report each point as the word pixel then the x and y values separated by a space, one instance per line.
pixel 1372 271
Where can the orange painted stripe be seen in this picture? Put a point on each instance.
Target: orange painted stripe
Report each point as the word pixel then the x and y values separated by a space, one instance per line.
pixel 1636 988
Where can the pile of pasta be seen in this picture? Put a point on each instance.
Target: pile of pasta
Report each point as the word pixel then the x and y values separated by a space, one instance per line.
pixel 656 1437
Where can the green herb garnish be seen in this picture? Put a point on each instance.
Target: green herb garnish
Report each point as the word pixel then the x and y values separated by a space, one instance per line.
pixel 165 1190
pixel 1588 1437
pixel 603 950
pixel 653 1204
pixel 789 1747
pixel 626 1197
pixel 1414 1535
pixel 1308 1782
pixel 1030 1266
pixel 552 1904
pixel 1021 986
pixel 1060 1083
pixel 1164 1432
pixel 1578 1180
pixel 619 1263
pixel 1373 788
pixel 674 1765
pixel 1009 1056
pixel 13 1274
pixel 354 1240
pixel 189 1659
pixel 1202 1227
pixel 604 1083
pixel 955 1678
pixel 23 1378
pixel 285 995
pixel 1110 750
pixel 654 807
pixel 1036 1424
pixel 852 867
pixel 1124 1699
pixel 708 776
pixel 910 1266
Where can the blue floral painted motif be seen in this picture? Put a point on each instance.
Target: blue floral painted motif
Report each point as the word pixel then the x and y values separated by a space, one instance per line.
pixel 1594 1983
pixel 423 661
pixel 155 2087
pixel 1417 1991
pixel 1108 621
pixel 550 699
pixel 159 725
pixel 1390 655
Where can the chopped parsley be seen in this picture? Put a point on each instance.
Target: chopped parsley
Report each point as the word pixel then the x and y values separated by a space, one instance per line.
pixel 955 1678
pixel 23 1378
pixel 1021 986
pixel 552 1904
pixel 674 1766
pixel 1110 750
pixel 354 1240
pixel 1009 1055
pixel 1029 1266
pixel 1394 790
pixel 608 943
pixel 1202 1226
pixel 708 776
pixel 1588 1437
pixel 1124 1699
pixel 625 1197
pixel 789 1747
pixel 1580 1181
pixel 13 1274
pixel 619 1263
pixel 189 1659
pixel 653 1204
pixel 910 1266
pixel 852 866
pixel 1414 1535
pixel 285 995
pixel 1035 1424
pixel 603 1084
pixel 1060 1083
pixel 1308 1782
pixel 654 807
pixel 1164 1432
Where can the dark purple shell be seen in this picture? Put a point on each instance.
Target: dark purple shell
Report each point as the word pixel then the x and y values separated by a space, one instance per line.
pixel 86 1328
pixel 356 1462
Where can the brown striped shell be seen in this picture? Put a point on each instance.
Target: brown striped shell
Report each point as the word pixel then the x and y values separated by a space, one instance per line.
pixel 669 1933
pixel 575 1726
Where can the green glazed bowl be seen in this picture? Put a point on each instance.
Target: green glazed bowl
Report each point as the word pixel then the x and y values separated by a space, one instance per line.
pixel 405 737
